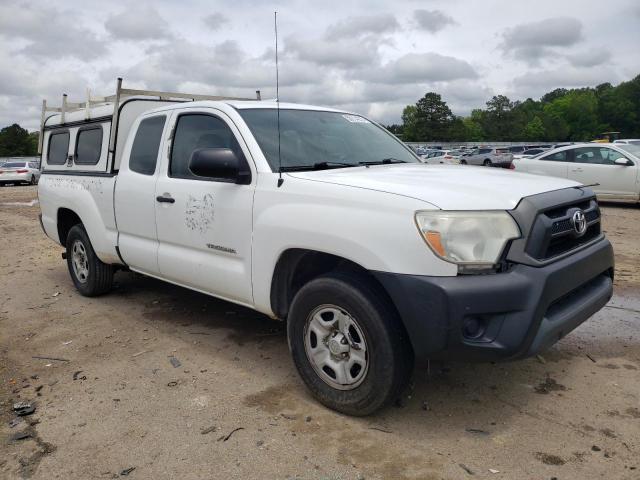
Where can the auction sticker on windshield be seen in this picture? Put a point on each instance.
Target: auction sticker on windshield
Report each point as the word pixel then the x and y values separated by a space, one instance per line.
pixel 355 119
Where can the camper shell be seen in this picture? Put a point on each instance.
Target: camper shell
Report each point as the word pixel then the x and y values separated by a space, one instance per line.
pixel 87 137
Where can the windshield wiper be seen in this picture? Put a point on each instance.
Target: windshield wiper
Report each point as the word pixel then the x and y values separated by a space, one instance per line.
pixel 384 161
pixel 318 166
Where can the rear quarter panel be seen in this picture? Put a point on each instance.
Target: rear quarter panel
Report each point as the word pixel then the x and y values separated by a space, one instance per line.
pixel 91 198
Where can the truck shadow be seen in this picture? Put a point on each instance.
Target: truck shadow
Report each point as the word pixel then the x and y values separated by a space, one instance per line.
pixel 478 396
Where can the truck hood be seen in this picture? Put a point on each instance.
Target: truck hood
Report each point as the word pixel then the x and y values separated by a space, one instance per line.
pixel 449 187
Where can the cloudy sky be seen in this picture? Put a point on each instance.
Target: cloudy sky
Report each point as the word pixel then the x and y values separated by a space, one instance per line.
pixel 373 57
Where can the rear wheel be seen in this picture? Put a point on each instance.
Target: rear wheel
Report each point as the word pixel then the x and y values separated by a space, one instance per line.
pixel 463 162
pixel 348 344
pixel 90 275
pixel 487 163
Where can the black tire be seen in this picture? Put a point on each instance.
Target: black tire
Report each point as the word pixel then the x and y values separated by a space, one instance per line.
pixel 487 163
pixel 33 180
pixel 99 278
pixel 463 162
pixel 389 353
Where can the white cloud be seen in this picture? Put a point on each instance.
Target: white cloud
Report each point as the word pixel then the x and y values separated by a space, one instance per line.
pixel 362 25
pixel 48 32
pixel 422 68
pixel 432 20
pixel 374 60
pixel 215 21
pixel 138 23
pixel 531 41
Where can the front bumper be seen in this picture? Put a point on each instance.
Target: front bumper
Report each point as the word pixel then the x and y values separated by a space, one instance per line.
pixel 519 312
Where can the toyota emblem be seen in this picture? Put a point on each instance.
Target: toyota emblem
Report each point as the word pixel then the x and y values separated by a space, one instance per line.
pixel 579 223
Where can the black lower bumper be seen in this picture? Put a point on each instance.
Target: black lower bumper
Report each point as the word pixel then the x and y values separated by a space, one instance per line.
pixel 505 315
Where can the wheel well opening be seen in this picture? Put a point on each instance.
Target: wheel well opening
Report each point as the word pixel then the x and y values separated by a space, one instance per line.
pixel 296 267
pixel 66 220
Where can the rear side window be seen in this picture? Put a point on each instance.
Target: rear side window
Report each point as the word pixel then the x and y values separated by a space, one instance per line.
pixel 484 150
pixel 197 131
pixel 144 152
pixel 556 157
pixel 58 148
pixel 89 146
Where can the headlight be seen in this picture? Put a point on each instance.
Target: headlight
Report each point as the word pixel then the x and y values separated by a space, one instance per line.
pixel 473 240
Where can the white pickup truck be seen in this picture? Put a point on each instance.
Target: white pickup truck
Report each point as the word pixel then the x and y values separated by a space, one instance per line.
pixel 376 261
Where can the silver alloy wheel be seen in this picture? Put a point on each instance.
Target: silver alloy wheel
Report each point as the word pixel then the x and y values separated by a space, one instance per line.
pixel 336 347
pixel 79 261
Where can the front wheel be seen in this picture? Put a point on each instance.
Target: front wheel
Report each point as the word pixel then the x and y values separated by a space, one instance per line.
pixel 348 344
pixel 463 162
pixel 33 180
pixel 90 275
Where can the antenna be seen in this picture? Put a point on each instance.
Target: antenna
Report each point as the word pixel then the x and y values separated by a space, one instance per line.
pixel 275 24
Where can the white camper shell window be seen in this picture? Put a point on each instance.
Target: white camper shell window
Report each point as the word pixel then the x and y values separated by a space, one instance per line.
pixel 58 148
pixel 88 145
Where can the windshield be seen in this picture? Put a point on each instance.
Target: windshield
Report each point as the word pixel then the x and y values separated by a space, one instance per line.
pixel 632 149
pixel 14 165
pixel 311 138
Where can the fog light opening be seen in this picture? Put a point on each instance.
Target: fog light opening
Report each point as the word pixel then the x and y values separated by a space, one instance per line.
pixel 473 328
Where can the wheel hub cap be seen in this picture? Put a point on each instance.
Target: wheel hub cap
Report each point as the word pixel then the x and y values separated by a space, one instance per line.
pixel 79 261
pixel 336 348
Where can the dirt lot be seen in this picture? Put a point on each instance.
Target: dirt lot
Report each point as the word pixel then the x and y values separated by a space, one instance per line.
pixel 235 408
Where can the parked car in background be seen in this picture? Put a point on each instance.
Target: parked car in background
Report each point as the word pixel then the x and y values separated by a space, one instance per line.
pixel 628 141
pixel 489 157
pixel 532 152
pixel 612 170
pixel 517 149
pixel 435 157
pixel 19 172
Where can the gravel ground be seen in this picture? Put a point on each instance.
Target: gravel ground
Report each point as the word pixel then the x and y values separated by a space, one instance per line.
pixel 233 407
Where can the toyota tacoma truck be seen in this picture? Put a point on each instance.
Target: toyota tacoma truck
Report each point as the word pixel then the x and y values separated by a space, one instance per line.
pixel 324 220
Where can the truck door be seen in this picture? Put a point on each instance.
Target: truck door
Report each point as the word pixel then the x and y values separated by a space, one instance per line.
pixel 134 197
pixel 205 225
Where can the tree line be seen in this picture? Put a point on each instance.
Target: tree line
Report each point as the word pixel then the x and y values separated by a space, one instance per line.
pixel 578 114
pixel 15 141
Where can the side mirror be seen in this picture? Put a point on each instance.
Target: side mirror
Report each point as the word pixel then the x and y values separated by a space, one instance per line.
pixel 220 164
pixel 623 161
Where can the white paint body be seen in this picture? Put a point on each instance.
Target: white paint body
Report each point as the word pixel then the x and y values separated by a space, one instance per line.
pixel 365 215
pixel 610 181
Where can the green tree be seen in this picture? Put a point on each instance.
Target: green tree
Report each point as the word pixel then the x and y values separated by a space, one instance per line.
pixel 498 120
pixel 433 118
pixel 579 110
pixel 15 141
pixel 409 130
pixel 534 130
pixel 473 126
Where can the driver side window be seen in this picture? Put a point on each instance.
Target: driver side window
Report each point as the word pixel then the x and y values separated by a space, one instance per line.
pixel 194 132
pixel 596 155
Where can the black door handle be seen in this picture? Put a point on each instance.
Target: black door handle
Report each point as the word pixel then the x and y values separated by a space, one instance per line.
pixel 163 199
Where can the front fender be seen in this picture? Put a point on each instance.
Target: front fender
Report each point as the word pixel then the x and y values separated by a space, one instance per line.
pixel 375 230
